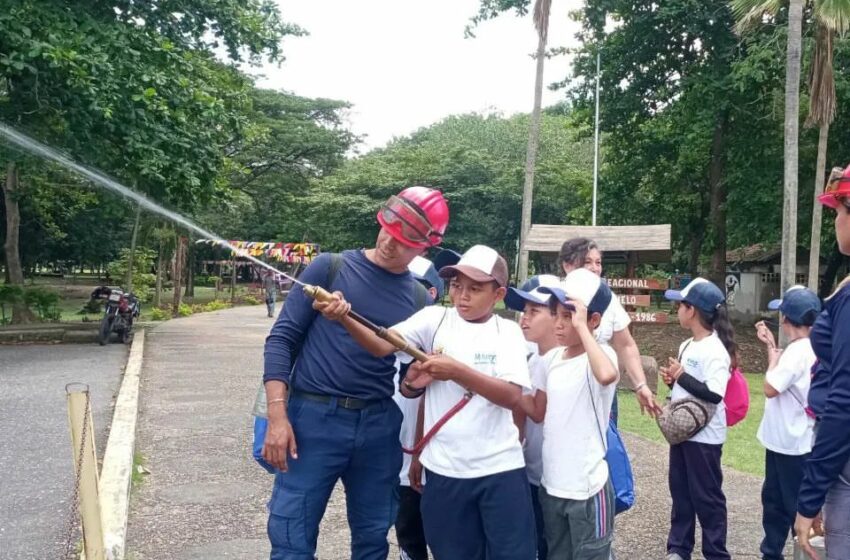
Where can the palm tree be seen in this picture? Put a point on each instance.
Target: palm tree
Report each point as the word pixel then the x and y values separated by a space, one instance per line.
pixel 831 16
pixel 542 8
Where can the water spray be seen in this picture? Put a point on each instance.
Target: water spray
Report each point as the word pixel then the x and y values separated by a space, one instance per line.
pixel 316 292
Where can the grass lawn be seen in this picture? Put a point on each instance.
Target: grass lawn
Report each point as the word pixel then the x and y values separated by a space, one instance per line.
pixel 742 450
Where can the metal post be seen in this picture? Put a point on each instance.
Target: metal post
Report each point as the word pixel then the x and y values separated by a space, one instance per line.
pixel 85 468
pixel 596 140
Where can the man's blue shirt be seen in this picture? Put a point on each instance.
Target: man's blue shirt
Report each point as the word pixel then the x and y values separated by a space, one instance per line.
pixel 329 361
pixel 829 398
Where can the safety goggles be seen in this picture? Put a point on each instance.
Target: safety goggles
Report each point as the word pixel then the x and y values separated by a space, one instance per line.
pixel 836 193
pixel 409 219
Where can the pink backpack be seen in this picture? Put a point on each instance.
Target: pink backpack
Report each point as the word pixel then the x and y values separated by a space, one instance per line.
pixel 737 399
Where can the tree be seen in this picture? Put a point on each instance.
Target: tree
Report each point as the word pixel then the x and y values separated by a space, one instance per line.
pixel 132 87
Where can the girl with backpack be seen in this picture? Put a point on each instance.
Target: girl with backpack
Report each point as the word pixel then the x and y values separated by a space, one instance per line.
pixel 701 372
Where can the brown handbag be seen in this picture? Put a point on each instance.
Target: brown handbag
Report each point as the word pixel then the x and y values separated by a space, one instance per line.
pixel 681 420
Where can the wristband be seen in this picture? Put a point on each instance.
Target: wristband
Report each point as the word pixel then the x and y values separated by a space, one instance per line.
pixel 275 401
pixel 640 386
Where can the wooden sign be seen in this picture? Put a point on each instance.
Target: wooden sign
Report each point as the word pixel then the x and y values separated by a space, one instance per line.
pixel 637 283
pixel 644 317
pixel 635 300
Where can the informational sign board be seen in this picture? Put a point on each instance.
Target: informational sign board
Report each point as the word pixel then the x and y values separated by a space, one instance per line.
pixel 632 301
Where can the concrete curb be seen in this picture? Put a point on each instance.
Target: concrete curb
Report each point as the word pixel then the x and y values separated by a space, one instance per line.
pixel 117 471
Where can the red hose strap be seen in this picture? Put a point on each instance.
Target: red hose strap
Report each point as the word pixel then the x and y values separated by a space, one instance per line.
pixel 420 445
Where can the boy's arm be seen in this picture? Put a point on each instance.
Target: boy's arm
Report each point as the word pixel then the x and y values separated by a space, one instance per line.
pixel 534 406
pixel 519 420
pixel 497 391
pixel 600 364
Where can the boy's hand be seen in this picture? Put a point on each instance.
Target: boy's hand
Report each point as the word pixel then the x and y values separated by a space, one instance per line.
pixel 647 402
pixel 672 372
pixel 333 310
pixel 416 378
pixel 579 316
pixel 441 367
pixel 415 474
pixel 765 335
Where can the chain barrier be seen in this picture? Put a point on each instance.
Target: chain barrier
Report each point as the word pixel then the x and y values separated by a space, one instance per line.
pixel 69 550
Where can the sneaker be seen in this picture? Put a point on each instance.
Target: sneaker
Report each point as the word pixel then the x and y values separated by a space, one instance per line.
pixel 674 556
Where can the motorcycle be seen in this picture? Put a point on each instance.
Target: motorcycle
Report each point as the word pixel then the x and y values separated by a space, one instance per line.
pixel 120 311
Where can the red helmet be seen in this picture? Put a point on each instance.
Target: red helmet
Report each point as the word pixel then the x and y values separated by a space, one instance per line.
pixel 837 187
pixel 416 217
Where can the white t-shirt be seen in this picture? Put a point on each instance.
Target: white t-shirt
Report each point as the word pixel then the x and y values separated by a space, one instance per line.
pixel 538 367
pixel 481 439
pixel 613 320
pixel 785 427
pixel 407 435
pixel 707 361
pixel 574 466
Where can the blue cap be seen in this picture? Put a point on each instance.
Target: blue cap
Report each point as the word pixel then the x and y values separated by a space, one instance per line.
pixel 425 272
pixel 446 257
pixel 530 292
pixel 800 305
pixel 700 293
pixel 584 286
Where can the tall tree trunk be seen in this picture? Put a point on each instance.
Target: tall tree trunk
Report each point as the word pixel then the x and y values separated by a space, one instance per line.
pixel 128 280
pixel 718 191
pixel 179 258
pixel 792 125
pixel 160 263
pixel 190 272
pixel 14 271
pixel 817 210
pixel 541 17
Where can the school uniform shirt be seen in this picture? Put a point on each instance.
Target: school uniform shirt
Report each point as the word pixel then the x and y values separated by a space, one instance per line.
pixel 574 466
pixel 708 361
pixel 538 367
pixel 407 435
pixel 785 427
pixel 613 320
pixel 481 439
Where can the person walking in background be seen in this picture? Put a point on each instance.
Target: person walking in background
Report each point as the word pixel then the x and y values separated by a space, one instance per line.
pixel 702 370
pixel 581 252
pixel 826 475
pixel 269 279
pixel 786 427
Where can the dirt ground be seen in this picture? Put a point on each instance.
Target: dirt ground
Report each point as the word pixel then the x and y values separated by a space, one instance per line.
pixel 662 341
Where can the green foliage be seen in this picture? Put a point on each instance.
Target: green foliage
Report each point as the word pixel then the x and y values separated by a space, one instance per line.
pixel 44 301
pixel 143 280
pixel 251 300
pixel 158 314
pixel 478 162
pixel 215 305
pixel 184 310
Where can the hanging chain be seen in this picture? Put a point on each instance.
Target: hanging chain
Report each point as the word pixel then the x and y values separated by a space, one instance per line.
pixel 74 513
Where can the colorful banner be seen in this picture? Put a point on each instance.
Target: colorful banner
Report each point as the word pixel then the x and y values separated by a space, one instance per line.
pixel 275 251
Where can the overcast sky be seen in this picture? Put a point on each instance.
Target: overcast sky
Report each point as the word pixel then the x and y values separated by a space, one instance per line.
pixel 405 64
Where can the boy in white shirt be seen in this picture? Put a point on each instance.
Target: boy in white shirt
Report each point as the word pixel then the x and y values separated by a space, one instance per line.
pixel 786 428
pixel 538 327
pixel 576 494
pixel 476 503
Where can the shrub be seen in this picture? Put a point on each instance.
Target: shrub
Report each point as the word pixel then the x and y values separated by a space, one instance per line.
pixel 184 310
pixel 44 301
pixel 251 300
pixel 158 314
pixel 216 305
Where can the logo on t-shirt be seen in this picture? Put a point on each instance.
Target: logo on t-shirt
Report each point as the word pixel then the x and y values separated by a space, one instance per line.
pixel 482 359
pixel 692 362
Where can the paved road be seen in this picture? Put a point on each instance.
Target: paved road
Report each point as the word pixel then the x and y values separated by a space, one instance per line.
pixel 36 469
pixel 205 498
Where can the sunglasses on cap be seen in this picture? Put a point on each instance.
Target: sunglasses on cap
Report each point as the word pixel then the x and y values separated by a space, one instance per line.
pixel 413 225
pixel 835 193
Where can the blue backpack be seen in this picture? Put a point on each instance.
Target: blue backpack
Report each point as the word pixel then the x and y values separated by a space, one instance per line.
pixel 261 422
pixel 619 465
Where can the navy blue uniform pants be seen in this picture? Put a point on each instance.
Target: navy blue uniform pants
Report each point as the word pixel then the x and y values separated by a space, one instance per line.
pixel 408 525
pixel 783 475
pixel 360 447
pixel 542 548
pixel 696 486
pixel 485 518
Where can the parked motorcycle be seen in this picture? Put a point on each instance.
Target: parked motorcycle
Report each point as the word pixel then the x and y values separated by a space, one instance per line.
pixel 119 312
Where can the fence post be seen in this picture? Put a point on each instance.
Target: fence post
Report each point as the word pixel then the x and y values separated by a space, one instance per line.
pixel 85 469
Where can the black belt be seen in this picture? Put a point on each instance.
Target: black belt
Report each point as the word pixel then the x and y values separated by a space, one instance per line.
pixel 349 403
